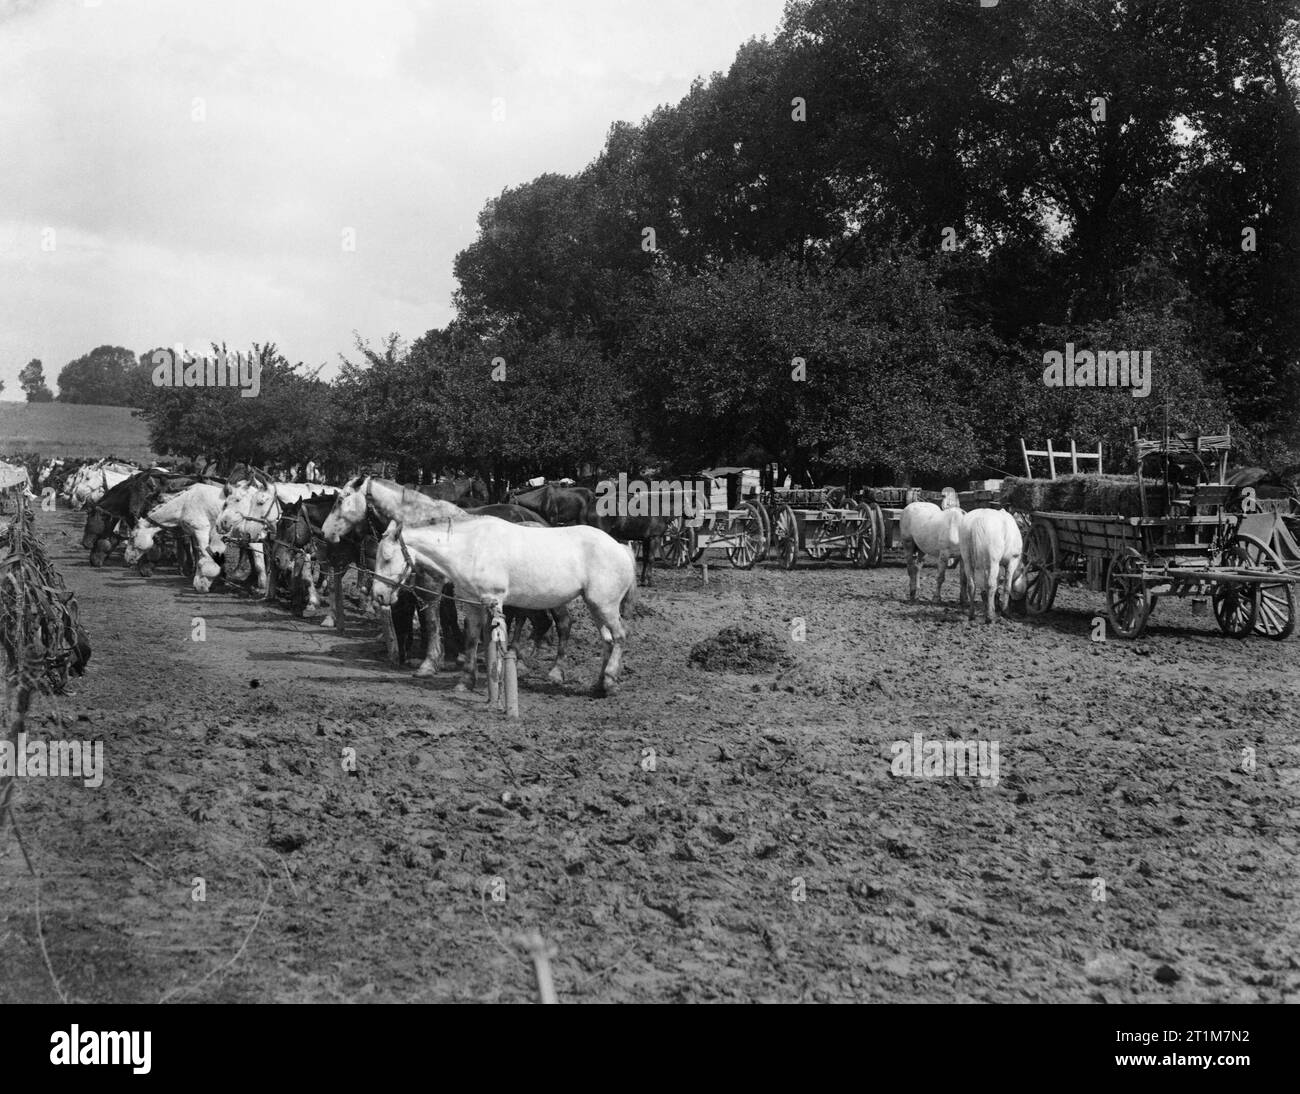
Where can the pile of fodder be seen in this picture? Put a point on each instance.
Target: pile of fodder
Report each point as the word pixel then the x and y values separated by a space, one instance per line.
pixel 40 635
pixel 1100 495
pixel 738 649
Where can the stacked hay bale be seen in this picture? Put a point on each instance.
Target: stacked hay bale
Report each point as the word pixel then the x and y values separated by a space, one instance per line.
pixel 1099 495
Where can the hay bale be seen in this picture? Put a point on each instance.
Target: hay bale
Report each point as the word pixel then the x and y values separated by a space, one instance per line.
pixel 1097 495
pixel 1018 493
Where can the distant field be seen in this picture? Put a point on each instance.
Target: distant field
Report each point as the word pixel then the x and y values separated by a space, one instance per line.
pixel 69 429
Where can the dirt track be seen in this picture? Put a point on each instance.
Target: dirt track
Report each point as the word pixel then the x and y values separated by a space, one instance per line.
pixel 1118 760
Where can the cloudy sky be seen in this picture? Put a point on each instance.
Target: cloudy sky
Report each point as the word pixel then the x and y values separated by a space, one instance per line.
pixel 185 170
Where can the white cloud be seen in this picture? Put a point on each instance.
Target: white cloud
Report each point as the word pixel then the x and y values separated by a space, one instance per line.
pixel 317 116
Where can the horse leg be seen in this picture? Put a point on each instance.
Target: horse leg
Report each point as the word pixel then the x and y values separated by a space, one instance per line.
pixel 541 628
pixel 403 618
pixel 206 567
pixel 938 585
pixel 430 611
pixel 474 625
pixel 647 562
pixel 449 622
pixel 563 625
pixel 991 590
pixel 257 551
pixel 389 628
pixel 913 568
pixel 515 620
pixel 612 632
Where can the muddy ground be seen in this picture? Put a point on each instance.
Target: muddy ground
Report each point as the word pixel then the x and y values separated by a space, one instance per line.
pixel 1119 761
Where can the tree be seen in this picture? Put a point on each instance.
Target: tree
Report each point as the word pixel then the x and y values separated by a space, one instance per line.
pixel 287 421
pixel 104 377
pixel 32 381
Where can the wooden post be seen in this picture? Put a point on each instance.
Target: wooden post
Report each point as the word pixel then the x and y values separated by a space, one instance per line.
pixel 512 684
pixel 1024 453
pixel 268 564
pixel 1051 458
pixel 1074 458
pixel 705 570
pixel 336 595
pixel 1142 487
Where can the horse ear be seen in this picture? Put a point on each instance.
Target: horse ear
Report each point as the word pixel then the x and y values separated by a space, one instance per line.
pixel 394 529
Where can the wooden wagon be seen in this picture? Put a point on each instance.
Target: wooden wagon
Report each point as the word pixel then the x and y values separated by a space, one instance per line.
pixel 738 527
pixel 1203 546
pixel 823 522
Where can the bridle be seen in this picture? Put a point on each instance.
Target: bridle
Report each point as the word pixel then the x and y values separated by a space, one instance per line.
pixel 272 518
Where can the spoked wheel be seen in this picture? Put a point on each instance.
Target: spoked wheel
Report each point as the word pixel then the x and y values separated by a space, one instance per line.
pixel 750 542
pixel 786 537
pixel 1235 606
pixel 678 543
pixel 862 543
pixel 816 537
pixel 1041 559
pixel 882 536
pixel 767 525
pixel 1274 604
pixel 1128 598
pixel 705 531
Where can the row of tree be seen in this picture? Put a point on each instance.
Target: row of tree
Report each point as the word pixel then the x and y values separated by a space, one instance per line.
pixel 850 252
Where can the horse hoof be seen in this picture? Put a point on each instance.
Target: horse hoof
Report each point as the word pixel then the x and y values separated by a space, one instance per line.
pixel 425 670
pixel 328 621
pixel 461 687
pixel 556 676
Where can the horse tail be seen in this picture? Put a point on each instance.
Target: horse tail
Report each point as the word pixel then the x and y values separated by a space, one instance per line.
pixel 629 598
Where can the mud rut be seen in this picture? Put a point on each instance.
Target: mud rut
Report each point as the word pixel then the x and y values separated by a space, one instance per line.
pixel 1118 760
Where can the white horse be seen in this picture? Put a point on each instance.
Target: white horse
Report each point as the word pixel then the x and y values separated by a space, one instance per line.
pixel 251 506
pixel 991 549
pixel 249 512
pixel 194 511
pixel 392 501
pixel 930 530
pixel 92 482
pixel 498 563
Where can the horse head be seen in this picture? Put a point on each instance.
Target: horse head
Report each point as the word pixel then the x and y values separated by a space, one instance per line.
pixel 392 567
pixel 349 510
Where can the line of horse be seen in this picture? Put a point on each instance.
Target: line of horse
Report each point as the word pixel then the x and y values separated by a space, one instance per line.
pixel 417 552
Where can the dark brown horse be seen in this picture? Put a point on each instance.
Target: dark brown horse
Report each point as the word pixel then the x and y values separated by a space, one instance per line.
pixel 559 505
pixel 110 520
pixel 563 505
pixel 463 492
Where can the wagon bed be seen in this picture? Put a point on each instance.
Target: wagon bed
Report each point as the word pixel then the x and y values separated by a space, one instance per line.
pixel 1207 548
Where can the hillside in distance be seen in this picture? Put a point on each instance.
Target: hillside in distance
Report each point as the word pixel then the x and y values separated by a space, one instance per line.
pixel 73 430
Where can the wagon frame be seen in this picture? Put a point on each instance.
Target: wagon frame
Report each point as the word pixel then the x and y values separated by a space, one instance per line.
pixel 1209 546
pixel 811 521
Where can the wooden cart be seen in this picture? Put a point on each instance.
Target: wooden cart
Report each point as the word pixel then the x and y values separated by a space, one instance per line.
pixel 739 531
pixel 1205 547
pixel 823 523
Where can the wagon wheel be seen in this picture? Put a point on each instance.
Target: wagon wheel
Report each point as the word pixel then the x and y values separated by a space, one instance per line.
pixel 1235 608
pixel 749 546
pixel 785 536
pixel 863 543
pixel 1042 556
pixel 815 538
pixel 1128 599
pixel 881 540
pixel 678 542
pixel 767 524
pixel 1274 604
pixel 697 550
